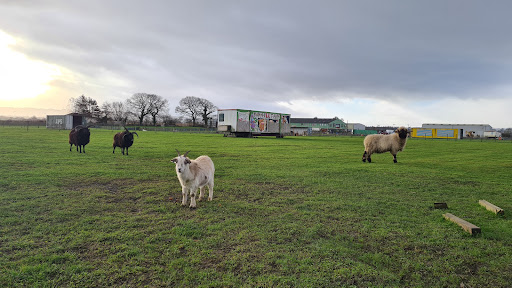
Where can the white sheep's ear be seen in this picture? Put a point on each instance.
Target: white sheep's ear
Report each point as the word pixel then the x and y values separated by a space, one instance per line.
pixel 174 160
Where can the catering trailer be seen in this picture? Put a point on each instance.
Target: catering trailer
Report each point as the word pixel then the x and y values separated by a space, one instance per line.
pixel 249 123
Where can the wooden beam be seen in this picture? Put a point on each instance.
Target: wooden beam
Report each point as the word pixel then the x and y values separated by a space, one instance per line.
pixel 468 227
pixel 440 205
pixel 491 207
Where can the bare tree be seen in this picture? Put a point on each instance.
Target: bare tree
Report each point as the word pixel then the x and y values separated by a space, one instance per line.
pixel 157 105
pixel 106 112
pixel 119 112
pixel 85 105
pixel 168 120
pixel 140 103
pixel 206 108
pixel 190 106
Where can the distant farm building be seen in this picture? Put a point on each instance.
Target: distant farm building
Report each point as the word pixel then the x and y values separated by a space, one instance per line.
pixel 359 129
pixel 435 133
pixel 303 126
pixel 464 130
pixel 355 126
pixel 65 122
pixel 378 130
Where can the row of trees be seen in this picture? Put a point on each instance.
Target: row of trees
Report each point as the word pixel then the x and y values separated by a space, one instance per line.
pixel 142 106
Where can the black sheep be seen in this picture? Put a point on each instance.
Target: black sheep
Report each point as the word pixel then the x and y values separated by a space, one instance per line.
pixel 124 140
pixel 79 136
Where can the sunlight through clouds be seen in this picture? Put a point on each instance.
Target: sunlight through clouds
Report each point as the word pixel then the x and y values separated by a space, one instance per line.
pixel 22 78
pixel 379 64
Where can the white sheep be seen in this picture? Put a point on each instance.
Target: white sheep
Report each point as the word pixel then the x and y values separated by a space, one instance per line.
pixel 378 143
pixel 194 174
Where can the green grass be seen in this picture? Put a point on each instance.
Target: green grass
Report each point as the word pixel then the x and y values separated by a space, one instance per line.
pixel 292 212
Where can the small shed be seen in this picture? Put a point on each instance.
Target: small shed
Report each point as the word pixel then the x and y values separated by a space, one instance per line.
pixel 355 126
pixel 65 122
pixel 248 123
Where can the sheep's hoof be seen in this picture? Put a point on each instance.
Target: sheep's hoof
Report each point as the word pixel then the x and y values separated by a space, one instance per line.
pixel 394 161
pixel 192 207
pixel 210 199
pixel 364 160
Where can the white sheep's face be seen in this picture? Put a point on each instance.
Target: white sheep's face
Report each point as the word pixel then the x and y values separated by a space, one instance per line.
pixel 182 163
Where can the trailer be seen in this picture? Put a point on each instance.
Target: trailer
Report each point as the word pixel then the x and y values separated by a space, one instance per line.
pixel 249 123
pixel 492 134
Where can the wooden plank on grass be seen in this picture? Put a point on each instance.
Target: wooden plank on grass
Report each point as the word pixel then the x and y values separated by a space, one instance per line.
pixel 440 205
pixel 468 227
pixel 491 207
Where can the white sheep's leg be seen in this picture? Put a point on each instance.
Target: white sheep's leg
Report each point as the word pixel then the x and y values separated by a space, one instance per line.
pixel 193 191
pixel 201 193
pixel 210 191
pixel 183 196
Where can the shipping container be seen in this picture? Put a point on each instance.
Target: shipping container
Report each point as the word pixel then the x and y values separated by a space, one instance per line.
pixel 248 123
pixel 436 133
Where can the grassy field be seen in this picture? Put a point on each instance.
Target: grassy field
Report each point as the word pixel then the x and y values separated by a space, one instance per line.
pixel 292 212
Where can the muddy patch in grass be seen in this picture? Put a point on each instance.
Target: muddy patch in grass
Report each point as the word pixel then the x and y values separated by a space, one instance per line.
pixel 121 191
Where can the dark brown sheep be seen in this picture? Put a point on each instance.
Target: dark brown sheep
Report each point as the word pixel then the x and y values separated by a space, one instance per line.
pixel 79 136
pixel 124 140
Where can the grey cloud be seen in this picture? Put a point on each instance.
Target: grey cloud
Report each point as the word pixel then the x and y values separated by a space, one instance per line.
pixel 268 48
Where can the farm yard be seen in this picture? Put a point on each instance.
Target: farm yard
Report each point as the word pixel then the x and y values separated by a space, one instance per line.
pixel 291 212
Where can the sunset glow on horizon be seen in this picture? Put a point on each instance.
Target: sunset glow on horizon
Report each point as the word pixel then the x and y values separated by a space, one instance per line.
pixel 22 78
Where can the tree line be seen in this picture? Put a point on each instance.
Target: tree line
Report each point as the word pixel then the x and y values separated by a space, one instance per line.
pixel 142 106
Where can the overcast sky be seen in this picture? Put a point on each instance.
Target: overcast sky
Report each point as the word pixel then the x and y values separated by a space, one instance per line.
pixel 372 62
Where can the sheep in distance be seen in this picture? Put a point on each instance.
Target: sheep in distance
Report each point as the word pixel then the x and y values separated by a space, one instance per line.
pixel 79 136
pixel 123 140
